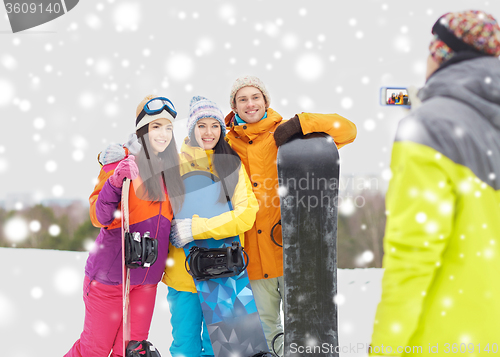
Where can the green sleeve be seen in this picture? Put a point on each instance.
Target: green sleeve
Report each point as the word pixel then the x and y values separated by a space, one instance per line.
pixel 420 203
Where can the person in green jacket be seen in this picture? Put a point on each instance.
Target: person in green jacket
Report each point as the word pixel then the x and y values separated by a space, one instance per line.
pixel 440 288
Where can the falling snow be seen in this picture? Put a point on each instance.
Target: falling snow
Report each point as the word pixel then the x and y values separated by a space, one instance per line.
pixel 15 229
pixel 180 67
pixel 127 16
pixel 309 67
pixel 80 91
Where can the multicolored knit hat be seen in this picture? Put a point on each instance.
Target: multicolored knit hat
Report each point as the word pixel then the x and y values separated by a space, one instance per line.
pixel 472 31
pixel 248 81
pixel 201 107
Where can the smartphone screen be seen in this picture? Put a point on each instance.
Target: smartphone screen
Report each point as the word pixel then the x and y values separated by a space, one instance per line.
pixel 395 96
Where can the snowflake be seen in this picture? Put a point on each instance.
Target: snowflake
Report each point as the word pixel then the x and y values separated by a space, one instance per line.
pixel 89 245
pixel 431 227
pixel 306 103
pixel 386 174
pixel 290 41
pixel 369 124
pixel 78 155
pixel 35 226
pixel 347 207
pixel 339 299
pixel 87 100
pixel 103 66
pixel 9 62
pixel 396 327
pixel 346 103
pixel 41 328
pixel 180 67
pixel 93 21
pixel 16 229
pixel 57 190
pixel 36 292
pixel 127 16
pixel 67 281
pixel 421 217
pixel 54 230
pixel 24 105
pixel 402 44
pixel 367 256
pixel 309 67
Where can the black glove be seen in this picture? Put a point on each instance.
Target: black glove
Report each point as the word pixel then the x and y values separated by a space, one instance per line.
pixel 286 130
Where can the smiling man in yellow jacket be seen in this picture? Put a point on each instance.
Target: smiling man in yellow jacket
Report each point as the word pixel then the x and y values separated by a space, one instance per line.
pixel 255 131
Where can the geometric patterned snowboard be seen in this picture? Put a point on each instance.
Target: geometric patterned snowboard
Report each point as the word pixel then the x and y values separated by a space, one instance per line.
pixel 228 305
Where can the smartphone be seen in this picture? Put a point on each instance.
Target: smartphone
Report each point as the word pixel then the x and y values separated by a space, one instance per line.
pixel 395 96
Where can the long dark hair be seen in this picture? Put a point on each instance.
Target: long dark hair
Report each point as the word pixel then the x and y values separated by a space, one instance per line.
pixel 227 164
pixel 159 170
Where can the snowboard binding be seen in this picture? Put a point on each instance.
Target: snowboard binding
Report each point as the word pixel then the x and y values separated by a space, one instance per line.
pixel 211 263
pixel 141 349
pixel 140 251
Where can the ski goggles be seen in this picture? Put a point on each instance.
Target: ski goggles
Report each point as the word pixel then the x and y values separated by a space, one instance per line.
pixel 154 109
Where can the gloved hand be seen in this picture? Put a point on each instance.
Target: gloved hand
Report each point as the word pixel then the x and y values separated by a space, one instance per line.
pixel 286 130
pixel 115 152
pixel 413 97
pixel 133 145
pixel 112 153
pixel 180 232
pixel 126 168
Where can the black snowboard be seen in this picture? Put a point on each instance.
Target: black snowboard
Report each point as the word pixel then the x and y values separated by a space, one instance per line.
pixel 308 170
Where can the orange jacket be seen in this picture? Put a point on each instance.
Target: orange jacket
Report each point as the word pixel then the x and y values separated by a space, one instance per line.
pixel 256 147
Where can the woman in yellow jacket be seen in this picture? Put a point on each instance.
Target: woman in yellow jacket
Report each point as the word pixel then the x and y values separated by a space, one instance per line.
pixel 204 149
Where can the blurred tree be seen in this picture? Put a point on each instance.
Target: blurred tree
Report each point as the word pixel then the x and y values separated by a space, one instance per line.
pixel 48 230
pixel 362 231
pixel 86 231
pixel 358 232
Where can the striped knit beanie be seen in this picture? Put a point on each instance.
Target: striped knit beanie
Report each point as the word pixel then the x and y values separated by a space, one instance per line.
pixel 201 107
pixel 472 31
pixel 248 81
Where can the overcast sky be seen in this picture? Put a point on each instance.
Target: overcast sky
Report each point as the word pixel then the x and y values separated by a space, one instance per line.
pixel 70 87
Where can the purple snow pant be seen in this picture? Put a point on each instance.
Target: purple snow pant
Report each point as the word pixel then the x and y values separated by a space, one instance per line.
pixel 102 329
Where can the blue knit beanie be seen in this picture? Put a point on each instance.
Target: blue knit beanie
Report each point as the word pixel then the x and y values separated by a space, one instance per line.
pixel 199 108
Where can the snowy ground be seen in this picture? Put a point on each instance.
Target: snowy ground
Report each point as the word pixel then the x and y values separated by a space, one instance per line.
pixel 41 308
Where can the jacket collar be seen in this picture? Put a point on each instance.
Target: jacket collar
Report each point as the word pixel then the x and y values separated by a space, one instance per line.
pixel 196 154
pixel 252 131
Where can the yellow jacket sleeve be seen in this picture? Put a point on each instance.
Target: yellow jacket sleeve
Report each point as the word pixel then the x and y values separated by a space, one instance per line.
pixel 232 223
pixel 342 130
pixel 420 203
